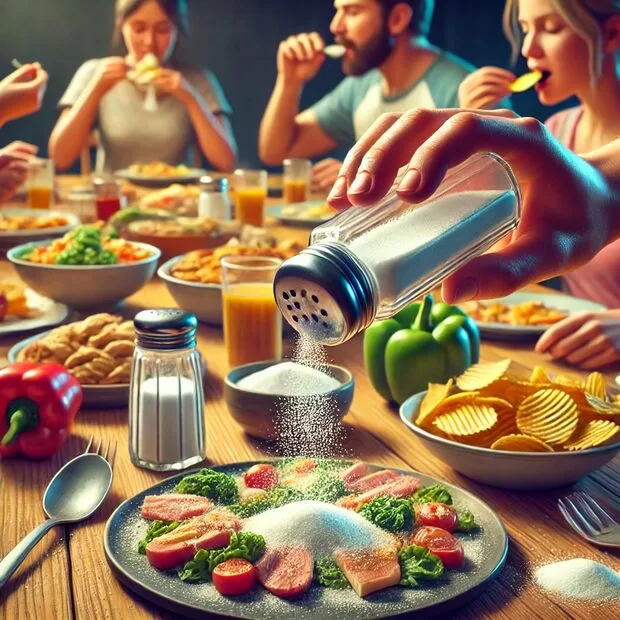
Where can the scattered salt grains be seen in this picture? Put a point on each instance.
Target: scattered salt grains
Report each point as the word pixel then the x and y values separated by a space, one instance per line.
pixel 580 578
pixel 307 424
pixel 289 379
pixel 318 526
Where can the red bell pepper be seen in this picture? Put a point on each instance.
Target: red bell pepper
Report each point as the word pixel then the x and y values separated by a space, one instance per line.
pixel 38 403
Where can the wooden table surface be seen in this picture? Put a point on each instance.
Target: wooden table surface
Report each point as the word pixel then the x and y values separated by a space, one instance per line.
pixel 67 576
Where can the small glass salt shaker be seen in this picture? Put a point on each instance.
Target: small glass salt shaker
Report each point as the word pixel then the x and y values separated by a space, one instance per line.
pixel 166 399
pixel 214 200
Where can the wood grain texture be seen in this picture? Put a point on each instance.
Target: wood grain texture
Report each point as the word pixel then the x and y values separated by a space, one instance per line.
pixel 69 577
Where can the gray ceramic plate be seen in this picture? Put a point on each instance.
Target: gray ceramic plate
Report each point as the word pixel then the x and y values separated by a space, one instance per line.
pixel 296 218
pixel 193 175
pixel 95 396
pixel 12 238
pixel 485 553
pixel 564 303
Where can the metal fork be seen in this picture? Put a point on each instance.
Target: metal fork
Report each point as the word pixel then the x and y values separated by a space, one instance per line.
pixel 105 453
pixel 608 478
pixel 590 520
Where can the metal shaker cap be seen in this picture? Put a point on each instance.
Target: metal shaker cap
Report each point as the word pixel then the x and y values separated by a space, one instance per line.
pixel 209 184
pixel 165 329
pixel 326 293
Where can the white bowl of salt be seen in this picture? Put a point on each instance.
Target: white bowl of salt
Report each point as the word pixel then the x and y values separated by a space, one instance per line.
pixel 272 398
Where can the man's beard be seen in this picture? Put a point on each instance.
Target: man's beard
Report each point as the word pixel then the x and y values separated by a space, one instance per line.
pixel 369 56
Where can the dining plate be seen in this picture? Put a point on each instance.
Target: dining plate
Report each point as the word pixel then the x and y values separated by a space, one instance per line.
pixel 49 313
pixel 485 552
pixel 9 239
pixel 297 214
pixel 564 303
pixel 95 396
pixel 191 176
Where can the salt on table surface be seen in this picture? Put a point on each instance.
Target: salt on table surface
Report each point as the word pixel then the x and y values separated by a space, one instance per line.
pixel 580 578
pixel 319 527
pixel 289 379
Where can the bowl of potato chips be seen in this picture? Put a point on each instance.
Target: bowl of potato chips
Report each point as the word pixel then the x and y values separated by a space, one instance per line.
pixel 508 430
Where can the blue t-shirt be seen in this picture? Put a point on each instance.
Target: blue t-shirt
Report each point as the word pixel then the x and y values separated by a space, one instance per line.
pixel 354 105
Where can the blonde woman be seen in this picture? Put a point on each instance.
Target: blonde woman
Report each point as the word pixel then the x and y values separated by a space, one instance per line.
pixel 192 109
pixel 576 45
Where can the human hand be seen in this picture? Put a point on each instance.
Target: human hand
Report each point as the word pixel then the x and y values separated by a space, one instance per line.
pixel 300 57
pixel 485 88
pixel 325 173
pixel 587 339
pixel 567 209
pixel 170 82
pixel 14 159
pixel 22 92
pixel 109 72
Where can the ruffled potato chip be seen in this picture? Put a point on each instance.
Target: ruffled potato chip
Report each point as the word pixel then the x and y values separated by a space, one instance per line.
pixel 466 420
pixel 521 443
pixel 482 375
pixel 549 415
pixel 592 434
pixel 539 375
pixel 595 385
pixel 436 394
pixel 603 407
pixel 506 425
pixel 448 404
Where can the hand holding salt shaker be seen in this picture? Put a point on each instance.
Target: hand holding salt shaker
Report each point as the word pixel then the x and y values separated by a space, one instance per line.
pixel 166 400
pixel 369 263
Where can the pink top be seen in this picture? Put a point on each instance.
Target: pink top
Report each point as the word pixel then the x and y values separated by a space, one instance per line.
pixel 598 280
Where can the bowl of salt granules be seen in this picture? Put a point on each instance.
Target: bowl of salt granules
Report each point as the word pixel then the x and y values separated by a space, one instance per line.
pixel 278 398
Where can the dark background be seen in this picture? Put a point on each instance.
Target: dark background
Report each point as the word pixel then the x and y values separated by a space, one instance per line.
pixel 237 39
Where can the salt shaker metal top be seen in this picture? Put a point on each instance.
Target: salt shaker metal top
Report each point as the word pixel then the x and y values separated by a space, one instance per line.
pixel 214 200
pixel 369 263
pixel 166 399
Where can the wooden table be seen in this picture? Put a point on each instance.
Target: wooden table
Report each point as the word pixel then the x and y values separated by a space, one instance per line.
pixel 67 576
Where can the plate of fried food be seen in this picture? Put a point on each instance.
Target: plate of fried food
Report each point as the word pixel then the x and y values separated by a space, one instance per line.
pixel 525 314
pixel 23 225
pixel 310 213
pixel 513 428
pixel 22 309
pixel 97 351
pixel 195 279
pixel 160 174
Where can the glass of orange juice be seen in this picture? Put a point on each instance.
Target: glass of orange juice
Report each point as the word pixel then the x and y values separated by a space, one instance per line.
pixel 40 184
pixel 251 193
pixel 252 321
pixel 296 180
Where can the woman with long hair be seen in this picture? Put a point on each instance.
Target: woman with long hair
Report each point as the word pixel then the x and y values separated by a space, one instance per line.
pixel 191 108
pixel 575 44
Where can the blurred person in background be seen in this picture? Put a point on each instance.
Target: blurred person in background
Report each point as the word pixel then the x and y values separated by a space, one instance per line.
pixel 390 65
pixel 109 94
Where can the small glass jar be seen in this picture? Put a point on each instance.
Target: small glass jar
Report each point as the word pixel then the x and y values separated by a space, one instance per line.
pixel 108 198
pixel 166 399
pixel 369 263
pixel 81 202
pixel 214 199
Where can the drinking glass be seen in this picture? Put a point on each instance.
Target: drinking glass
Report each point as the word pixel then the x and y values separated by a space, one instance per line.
pixel 251 193
pixel 40 184
pixel 296 180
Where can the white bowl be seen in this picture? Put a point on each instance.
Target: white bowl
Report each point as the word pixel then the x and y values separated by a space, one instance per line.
pixel 203 300
pixel 506 469
pixel 86 287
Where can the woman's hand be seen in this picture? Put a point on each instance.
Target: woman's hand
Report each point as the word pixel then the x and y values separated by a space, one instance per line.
pixel 14 160
pixel 568 210
pixel 22 92
pixel 170 82
pixel 325 173
pixel 587 340
pixel 485 88
pixel 109 72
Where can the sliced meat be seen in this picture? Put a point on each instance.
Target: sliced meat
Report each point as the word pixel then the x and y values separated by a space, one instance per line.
pixel 208 531
pixel 404 486
pixel 174 507
pixel 287 572
pixel 371 481
pixel 369 570
pixel 354 473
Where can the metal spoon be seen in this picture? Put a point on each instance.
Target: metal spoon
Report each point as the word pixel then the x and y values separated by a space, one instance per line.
pixel 334 50
pixel 73 494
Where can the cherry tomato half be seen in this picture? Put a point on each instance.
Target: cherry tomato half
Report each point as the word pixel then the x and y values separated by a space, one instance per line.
pixel 233 577
pixel 437 514
pixel 441 544
pixel 261 476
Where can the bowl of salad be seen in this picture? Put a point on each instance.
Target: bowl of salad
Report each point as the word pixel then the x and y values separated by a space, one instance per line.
pixel 86 269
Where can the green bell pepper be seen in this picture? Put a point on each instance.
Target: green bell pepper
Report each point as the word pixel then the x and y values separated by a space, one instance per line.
pixel 419 345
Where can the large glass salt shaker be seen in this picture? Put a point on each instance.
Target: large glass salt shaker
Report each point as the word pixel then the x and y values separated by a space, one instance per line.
pixel 369 263
pixel 214 199
pixel 166 400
